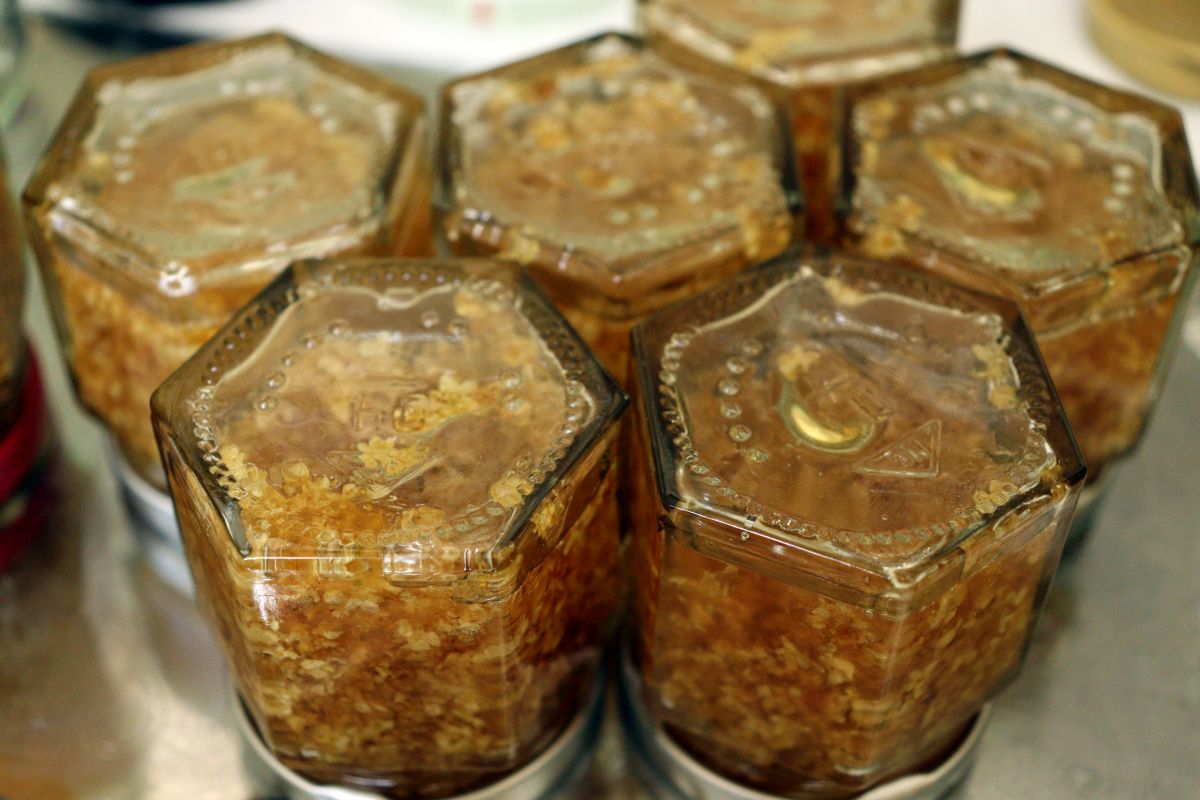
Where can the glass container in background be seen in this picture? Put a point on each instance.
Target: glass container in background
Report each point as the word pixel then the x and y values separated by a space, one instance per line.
pixel 180 183
pixel 395 485
pixel 808 50
pixel 622 182
pixel 14 68
pixel 26 491
pixel 855 483
pixel 12 302
pixel 1156 41
pixel 1074 199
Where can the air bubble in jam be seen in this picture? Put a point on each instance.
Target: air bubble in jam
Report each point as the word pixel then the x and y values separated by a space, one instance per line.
pixel 739 433
pixel 752 347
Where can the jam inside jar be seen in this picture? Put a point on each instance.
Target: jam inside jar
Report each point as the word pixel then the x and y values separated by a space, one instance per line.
pixel 623 182
pixel 182 182
pixel 855 483
pixel 808 51
pixel 1075 200
pixel 394 481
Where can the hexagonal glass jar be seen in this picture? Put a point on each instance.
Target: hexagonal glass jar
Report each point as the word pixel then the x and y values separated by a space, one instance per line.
pixel 1075 200
pixel 855 485
pixel 180 183
pixel 12 300
pixel 394 482
pixel 623 182
pixel 807 51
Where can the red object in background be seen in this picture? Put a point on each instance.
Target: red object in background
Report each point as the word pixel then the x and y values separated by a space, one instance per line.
pixel 25 494
pixel 483 12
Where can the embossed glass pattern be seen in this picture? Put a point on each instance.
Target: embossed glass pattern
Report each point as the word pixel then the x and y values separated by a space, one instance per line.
pixel 855 483
pixel 1077 201
pixel 394 484
pixel 622 181
pixel 809 49
pixel 181 183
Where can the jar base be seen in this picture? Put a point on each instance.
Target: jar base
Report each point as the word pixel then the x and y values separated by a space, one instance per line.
pixel 152 518
pixel 555 772
pixel 669 773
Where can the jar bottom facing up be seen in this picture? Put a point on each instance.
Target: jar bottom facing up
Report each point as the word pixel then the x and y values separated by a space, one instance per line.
pixel 667 772
pixel 556 774
pixel 152 516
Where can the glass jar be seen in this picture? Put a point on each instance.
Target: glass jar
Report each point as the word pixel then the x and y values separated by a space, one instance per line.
pixel 180 183
pixel 855 483
pixel 1155 41
pixel 622 182
pixel 394 482
pixel 568 769
pixel 1075 200
pixel 808 51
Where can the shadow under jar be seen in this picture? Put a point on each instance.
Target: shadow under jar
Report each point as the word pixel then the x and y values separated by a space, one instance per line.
pixel 1076 200
pixel 855 483
pixel 394 482
pixel 180 183
pixel 623 182
pixel 806 52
